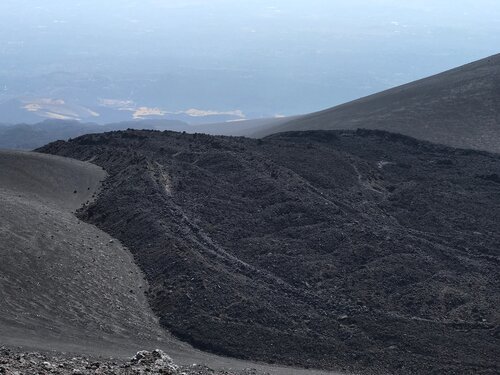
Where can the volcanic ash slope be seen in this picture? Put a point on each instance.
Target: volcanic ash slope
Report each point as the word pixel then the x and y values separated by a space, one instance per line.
pixel 459 108
pixel 64 285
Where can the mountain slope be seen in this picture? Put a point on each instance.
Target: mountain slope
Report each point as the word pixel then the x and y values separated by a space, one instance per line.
pixel 353 250
pixel 459 108
pixel 69 287
pixel 239 128
pixel 64 282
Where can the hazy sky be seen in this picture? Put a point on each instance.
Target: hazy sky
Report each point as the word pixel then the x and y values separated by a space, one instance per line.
pixel 262 57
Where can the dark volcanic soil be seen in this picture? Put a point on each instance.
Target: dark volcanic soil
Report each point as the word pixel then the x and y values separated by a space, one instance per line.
pixel 459 108
pixel 356 250
pixel 65 283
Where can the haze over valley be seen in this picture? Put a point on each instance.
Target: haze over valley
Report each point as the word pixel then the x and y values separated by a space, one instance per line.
pixel 212 61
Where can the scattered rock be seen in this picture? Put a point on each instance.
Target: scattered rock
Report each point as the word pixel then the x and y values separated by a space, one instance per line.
pixel 144 362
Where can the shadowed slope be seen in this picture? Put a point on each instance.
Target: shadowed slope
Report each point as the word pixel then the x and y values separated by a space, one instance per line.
pixel 459 108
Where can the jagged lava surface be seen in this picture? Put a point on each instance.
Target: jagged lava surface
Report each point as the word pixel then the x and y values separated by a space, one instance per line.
pixel 351 250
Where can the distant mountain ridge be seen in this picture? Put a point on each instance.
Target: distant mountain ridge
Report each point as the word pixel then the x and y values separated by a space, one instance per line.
pixel 459 108
pixel 31 136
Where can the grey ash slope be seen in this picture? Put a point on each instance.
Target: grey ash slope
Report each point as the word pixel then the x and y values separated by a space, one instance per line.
pixel 349 250
pixel 459 108
pixel 63 283
pixel 239 128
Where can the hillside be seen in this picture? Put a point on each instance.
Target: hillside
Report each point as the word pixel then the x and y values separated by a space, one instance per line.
pixel 344 250
pixel 68 287
pixel 239 128
pixel 459 108
pixel 64 282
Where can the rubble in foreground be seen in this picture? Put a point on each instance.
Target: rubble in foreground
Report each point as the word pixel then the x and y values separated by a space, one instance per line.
pixel 13 362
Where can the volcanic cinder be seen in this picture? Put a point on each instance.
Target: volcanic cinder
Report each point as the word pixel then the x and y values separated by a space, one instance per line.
pixel 354 250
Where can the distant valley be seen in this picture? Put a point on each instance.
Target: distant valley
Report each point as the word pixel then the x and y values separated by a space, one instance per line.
pixel 458 108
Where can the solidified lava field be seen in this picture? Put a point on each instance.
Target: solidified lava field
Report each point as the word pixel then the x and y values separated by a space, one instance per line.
pixel 349 250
